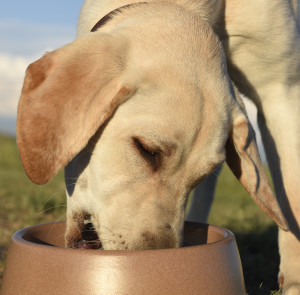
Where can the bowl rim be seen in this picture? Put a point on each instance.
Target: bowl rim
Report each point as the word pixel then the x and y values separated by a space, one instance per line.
pixel 18 239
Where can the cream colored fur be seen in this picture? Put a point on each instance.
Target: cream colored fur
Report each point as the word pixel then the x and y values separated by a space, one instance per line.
pixel 144 108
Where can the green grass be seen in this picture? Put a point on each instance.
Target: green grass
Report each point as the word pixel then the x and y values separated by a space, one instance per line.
pixel 23 203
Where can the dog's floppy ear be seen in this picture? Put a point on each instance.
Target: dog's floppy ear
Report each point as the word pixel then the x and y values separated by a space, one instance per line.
pixel 67 95
pixel 243 158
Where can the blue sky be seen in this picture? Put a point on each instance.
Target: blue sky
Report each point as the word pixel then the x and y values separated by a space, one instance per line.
pixel 26 25
pixel 56 12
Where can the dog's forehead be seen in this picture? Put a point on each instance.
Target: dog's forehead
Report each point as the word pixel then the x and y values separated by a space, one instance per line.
pixel 169 37
pixel 172 111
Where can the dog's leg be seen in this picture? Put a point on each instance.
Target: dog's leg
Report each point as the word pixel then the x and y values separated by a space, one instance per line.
pixel 202 198
pixel 263 51
pixel 280 126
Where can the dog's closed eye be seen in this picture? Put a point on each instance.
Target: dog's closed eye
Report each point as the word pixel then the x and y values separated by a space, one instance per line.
pixel 149 153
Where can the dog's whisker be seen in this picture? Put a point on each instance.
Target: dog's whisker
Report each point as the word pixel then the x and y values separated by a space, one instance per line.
pixel 217 175
pixel 62 235
pixel 51 208
pixel 71 178
pixel 61 217
pixel 57 220
pixel 51 197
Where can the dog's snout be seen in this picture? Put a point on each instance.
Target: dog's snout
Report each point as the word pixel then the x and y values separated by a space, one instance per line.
pixel 84 231
pixel 81 233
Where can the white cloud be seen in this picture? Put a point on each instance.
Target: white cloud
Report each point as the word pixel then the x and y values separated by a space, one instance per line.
pixel 12 70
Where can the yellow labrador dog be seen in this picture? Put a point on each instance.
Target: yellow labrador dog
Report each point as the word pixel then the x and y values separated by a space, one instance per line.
pixel 145 103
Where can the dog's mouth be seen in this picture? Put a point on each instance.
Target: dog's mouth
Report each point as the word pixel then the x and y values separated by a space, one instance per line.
pixel 88 237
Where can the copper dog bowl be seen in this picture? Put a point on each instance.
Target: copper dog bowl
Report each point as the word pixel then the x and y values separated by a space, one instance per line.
pixel 38 264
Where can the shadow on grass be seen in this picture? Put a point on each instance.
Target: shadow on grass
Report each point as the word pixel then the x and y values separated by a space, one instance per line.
pixel 260 260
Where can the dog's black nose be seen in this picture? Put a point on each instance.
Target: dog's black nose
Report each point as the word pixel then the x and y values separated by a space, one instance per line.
pixel 89 238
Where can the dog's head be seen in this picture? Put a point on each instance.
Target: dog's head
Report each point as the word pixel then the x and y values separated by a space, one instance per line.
pixel 139 116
